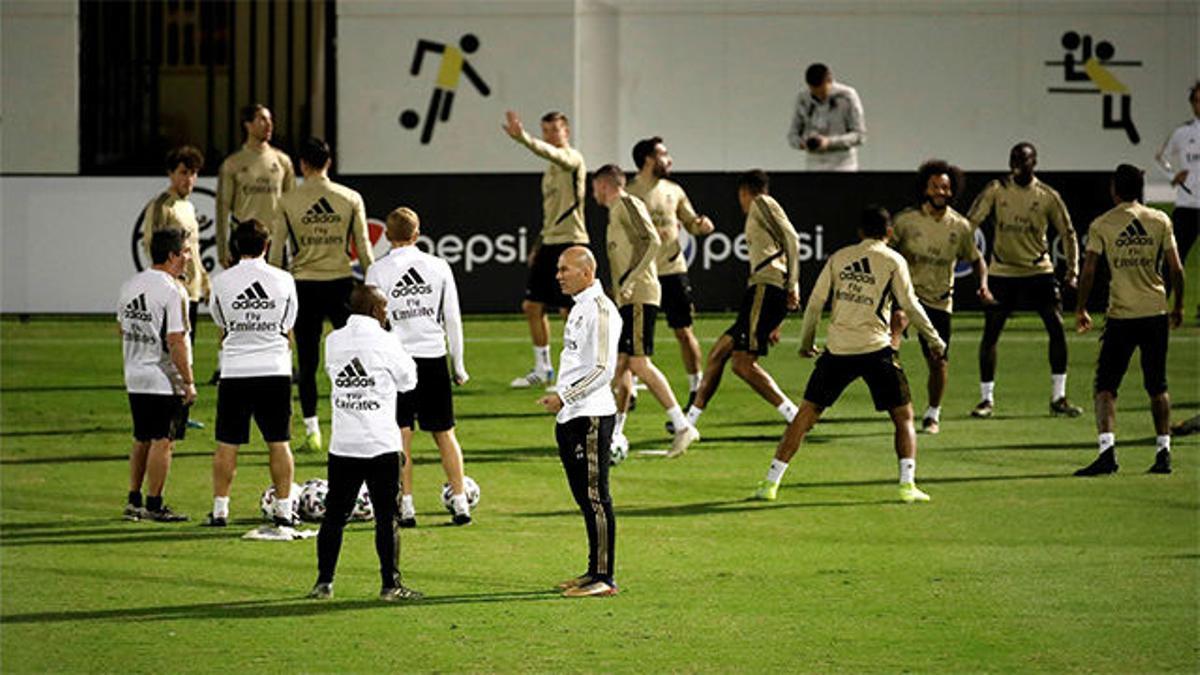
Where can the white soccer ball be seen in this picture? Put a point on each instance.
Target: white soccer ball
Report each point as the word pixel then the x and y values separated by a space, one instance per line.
pixel 266 504
pixel 618 450
pixel 362 505
pixel 470 490
pixel 312 499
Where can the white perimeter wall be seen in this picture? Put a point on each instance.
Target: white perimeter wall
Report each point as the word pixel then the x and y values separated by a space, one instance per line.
pixel 964 79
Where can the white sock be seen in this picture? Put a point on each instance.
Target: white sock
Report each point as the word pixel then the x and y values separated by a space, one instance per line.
pixel 283 507
pixel 694 381
pixel 459 503
pixel 1163 442
pixel 693 414
pixel 407 510
pixel 619 425
pixel 1058 386
pixel 908 470
pixel 934 412
pixel 788 410
pixel 1106 440
pixel 675 414
pixel 220 507
pixel 775 473
pixel 986 389
pixel 311 425
pixel 541 358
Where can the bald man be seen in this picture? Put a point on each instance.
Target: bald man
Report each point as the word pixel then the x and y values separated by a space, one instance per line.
pixel 586 411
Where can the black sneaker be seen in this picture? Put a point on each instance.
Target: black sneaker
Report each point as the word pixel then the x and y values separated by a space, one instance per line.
pixel 1063 407
pixel 400 593
pixel 407 523
pixel 983 409
pixel 321 591
pixel 461 519
pixel 165 515
pixel 214 521
pixel 1105 464
pixel 1162 462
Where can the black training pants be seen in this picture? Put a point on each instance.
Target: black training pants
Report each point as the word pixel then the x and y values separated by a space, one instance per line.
pixel 583 447
pixel 317 300
pixel 346 476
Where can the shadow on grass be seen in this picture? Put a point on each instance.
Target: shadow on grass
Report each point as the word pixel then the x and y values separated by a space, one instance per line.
pixel 87 536
pixel 259 457
pixel 1081 445
pixel 62 388
pixel 732 506
pixel 266 609
pixel 79 431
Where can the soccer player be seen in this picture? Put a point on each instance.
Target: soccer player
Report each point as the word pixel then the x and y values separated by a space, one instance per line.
pixel 861 279
pixel 1021 272
pixel 771 290
pixel 1135 240
pixel 1179 157
pixel 254 305
pixel 633 244
pixel 368 368
pixel 828 123
pixel 584 409
pixel 670 208
pixel 320 220
pixel 152 314
pixel 249 185
pixel 423 311
pixel 563 186
pixel 933 237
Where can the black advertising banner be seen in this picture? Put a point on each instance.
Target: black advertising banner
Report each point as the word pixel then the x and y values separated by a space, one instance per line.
pixel 485 225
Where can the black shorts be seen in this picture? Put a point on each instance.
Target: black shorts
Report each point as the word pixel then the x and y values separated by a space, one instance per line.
pixel 763 309
pixel 1035 293
pixel 268 399
pixel 157 416
pixel 431 402
pixel 941 323
pixel 881 371
pixel 637 329
pixel 677 300
pixel 1120 338
pixel 542 284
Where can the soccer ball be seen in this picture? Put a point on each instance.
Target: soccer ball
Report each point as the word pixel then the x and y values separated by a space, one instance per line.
pixel 618 450
pixel 470 489
pixel 362 505
pixel 266 504
pixel 312 499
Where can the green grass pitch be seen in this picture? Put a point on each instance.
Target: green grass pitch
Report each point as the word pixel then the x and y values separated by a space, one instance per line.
pixel 1014 566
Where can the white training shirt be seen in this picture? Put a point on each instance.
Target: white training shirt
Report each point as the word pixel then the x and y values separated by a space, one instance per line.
pixel 589 356
pixel 368 367
pixel 152 305
pixel 1182 151
pixel 422 303
pixel 255 304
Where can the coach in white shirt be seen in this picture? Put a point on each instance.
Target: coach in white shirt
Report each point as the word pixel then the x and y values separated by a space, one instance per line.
pixel 254 306
pixel 368 368
pixel 423 310
pixel 1179 157
pixel 585 409
pixel 152 313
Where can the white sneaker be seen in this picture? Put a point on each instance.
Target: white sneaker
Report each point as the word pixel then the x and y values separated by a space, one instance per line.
pixel 683 438
pixel 534 378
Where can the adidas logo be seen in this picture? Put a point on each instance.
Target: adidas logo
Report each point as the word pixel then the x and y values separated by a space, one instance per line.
pixel 136 309
pixel 320 212
pixel 859 271
pixel 411 283
pixel 1134 234
pixel 354 375
pixel 254 297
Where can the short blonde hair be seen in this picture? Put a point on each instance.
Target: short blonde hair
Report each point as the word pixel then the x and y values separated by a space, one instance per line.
pixel 402 224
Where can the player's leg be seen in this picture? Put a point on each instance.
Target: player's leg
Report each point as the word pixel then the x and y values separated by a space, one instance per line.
pixel 283 471
pixel 1049 309
pixel 571 437
pixel 273 414
pixel 435 412
pixel 745 365
pixel 656 382
pixel 905 442
pixel 172 416
pixel 689 350
pixel 1117 343
pixel 408 510
pixel 623 393
pixel 588 476
pixel 1153 349
pixel 345 475
pixel 677 305
pixel 888 384
pixel 235 407
pixel 714 368
pixel 541 291
pixel 452 464
pixel 768 308
pixel 137 473
pixel 307 332
pixel 938 370
pixel 383 487
pixel 994 318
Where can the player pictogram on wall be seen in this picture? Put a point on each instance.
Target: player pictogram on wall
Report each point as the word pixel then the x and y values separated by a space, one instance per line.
pixel 1096 69
pixel 453 66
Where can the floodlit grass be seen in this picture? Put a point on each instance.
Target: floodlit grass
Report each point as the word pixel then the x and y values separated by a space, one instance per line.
pixel 1014 566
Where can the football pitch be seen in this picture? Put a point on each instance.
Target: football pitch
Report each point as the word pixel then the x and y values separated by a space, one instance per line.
pixel 1014 566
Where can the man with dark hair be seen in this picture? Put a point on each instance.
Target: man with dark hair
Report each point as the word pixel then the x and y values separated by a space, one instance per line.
pixel 152 314
pixel 933 237
pixel 828 123
pixel 368 368
pixel 860 280
pixel 633 244
pixel 670 208
pixel 564 184
pixel 1021 274
pixel 254 305
pixel 1179 157
pixel 1135 240
pixel 321 221
pixel 772 289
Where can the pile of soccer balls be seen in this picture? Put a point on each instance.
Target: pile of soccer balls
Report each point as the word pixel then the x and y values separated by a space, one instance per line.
pixel 310 500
